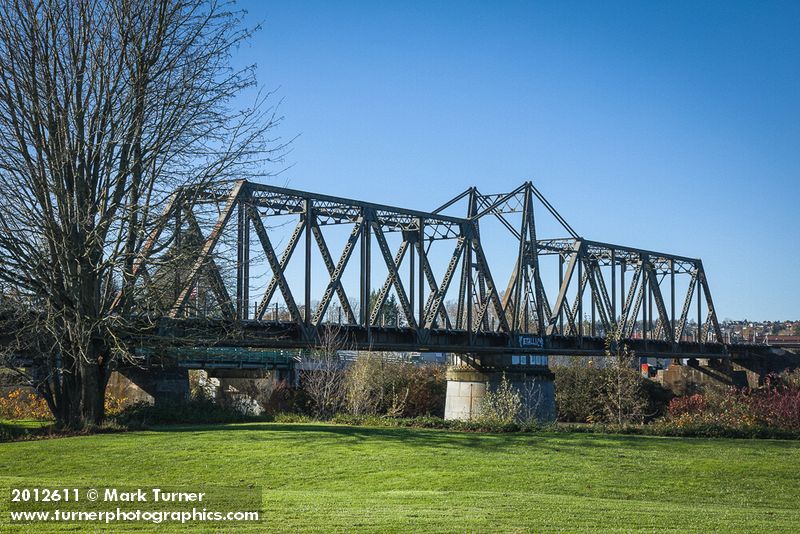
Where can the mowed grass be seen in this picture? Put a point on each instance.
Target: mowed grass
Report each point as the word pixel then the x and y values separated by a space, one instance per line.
pixel 339 478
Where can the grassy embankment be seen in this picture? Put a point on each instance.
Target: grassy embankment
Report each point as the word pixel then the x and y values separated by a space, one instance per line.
pixel 327 477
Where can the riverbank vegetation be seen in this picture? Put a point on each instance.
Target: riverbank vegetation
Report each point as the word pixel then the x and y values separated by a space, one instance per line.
pixel 377 392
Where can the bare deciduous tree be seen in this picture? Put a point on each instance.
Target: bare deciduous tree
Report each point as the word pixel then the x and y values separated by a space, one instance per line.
pixel 623 392
pixel 106 107
pixel 359 386
pixel 531 396
pixel 323 378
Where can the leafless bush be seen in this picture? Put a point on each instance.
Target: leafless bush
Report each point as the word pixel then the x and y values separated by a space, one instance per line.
pixel 624 397
pixel 379 385
pixel 501 404
pixel 323 378
pixel 531 397
pixel 364 384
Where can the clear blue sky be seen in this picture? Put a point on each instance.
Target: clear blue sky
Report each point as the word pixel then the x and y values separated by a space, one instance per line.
pixel 666 125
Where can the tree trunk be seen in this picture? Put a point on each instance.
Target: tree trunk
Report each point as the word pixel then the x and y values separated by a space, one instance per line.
pixel 76 391
pixel 93 386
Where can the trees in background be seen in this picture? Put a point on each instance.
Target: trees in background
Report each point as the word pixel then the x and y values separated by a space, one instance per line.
pixel 372 384
pixel 389 314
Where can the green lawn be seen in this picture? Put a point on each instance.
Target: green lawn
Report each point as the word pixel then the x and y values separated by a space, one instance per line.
pixel 337 478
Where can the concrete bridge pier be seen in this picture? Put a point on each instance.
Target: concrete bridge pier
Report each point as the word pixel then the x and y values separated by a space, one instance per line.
pixel 467 386
pixel 155 386
pixel 246 390
pixel 697 373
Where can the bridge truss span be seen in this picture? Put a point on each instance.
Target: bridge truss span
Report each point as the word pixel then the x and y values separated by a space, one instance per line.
pixel 280 267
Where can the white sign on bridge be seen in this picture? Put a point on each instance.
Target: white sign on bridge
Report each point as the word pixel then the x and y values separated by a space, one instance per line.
pixel 531 342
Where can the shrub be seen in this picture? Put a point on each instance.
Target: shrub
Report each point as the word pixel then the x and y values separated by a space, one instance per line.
pixel 658 398
pixel 195 411
pixel 777 407
pixel 716 407
pixel 324 386
pixel 578 393
pixel 688 405
pixel 24 404
pixel 613 394
pixel 374 385
pixel 789 379
pixel 501 405
pixel 774 406
pixel 113 404
pixel 365 383
pixel 324 382
pixel 287 399
pixel 427 389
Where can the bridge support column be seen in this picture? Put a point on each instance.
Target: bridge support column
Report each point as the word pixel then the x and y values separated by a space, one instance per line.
pixel 247 391
pixel 156 386
pixel 698 373
pixel 467 388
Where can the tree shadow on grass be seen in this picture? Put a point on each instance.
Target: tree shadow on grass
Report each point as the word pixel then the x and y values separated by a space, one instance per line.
pixel 356 434
pixel 438 438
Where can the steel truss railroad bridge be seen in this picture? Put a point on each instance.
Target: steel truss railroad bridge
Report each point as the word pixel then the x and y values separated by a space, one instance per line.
pixel 558 295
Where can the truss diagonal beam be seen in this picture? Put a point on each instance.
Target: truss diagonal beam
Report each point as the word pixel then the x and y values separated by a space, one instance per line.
pixel 277 269
pixel 573 316
pixel 436 298
pixel 602 307
pixel 508 296
pixel 383 293
pixel 147 247
pixel 215 278
pixel 655 290
pixel 626 307
pixel 329 265
pixel 393 278
pixel 285 258
pixel 546 310
pixel 606 300
pixel 208 248
pixel 712 312
pixel 637 304
pixel 687 303
pixel 434 288
pixel 561 299
pixel 483 268
pixel 335 283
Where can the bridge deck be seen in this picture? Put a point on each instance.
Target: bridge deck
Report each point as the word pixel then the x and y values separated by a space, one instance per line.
pixel 289 335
